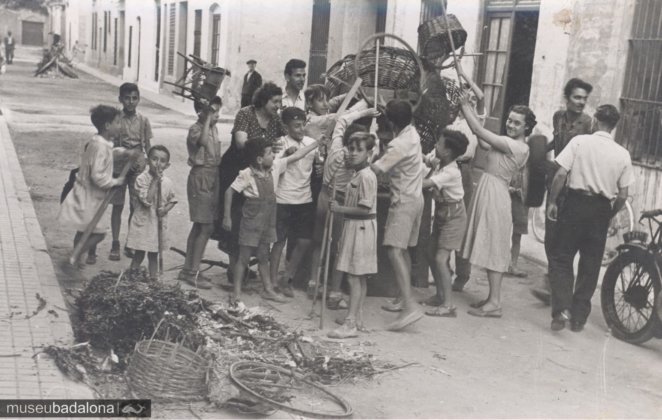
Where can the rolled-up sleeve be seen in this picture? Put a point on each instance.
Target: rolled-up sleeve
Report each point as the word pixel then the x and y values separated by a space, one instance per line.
pixel 566 158
pixel 627 176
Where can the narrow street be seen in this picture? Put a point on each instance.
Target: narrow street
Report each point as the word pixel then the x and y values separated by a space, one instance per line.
pixel 465 367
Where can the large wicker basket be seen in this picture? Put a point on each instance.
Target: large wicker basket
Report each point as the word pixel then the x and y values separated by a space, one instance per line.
pixel 165 371
pixel 439 107
pixel 398 68
pixel 433 41
pixel 341 76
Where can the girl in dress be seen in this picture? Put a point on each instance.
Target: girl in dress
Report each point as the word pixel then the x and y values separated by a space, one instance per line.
pixel 489 226
pixel 144 226
pixel 357 254
pixel 93 180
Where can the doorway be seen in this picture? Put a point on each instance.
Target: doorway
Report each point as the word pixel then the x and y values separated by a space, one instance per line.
pixel 319 40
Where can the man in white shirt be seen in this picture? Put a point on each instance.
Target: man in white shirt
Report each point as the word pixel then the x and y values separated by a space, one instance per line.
pixel 295 76
pixel 598 171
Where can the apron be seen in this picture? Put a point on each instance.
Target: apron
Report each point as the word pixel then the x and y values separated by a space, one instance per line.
pixel 258 220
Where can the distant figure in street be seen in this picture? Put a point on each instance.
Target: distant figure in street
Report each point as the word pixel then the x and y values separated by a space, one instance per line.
pixel 598 171
pixel 295 76
pixel 202 188
pixel 93 180
pixel 567 123
pixel 9 48
pixel 252 81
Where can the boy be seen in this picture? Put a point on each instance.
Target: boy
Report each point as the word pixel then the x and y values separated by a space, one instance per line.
pixel 520 222
pixel 402 160
pixel 259 184
pixel 450 217
pixel 135 134
pixel 295 209
pixel 202 188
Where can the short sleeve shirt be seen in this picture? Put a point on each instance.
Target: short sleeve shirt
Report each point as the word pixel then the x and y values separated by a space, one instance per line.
pixel 564 130
pixel 199 155
pixel 596 163
pixel 294 185
pixel 447 184
pixel 245 182
pixel 362 190
pixel 299 102
pixel 135 132
pixel 403 160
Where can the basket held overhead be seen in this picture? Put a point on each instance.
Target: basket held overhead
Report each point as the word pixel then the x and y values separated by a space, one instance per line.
pixel 398 68
pixel 440 105
pixel 340 76
pixel 433 40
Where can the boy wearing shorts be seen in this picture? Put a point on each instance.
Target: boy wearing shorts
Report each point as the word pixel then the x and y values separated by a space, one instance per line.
pixel 295 209
pixel 202 188
pixel 403 161
pixel 520 223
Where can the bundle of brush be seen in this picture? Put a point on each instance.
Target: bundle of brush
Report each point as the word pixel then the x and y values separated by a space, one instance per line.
pixel 116 310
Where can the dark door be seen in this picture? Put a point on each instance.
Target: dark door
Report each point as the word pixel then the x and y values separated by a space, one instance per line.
pixel 32 33
pixel 319 40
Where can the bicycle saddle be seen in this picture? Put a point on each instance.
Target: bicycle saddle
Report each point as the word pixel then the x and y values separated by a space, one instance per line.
pixel 650 213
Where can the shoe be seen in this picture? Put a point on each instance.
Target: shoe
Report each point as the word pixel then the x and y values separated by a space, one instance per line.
pixel 336 302
pixel 515 272
pixel 128 252
pixel 442 312
pixel 459 283
pixel 433 300
pixel 274 297
pixel 542 295
pixel 114 251
pixel 392 306
pixel 576 326
pixel 347 330
pixel 478 304
pixel 481 313
pixel 559 321
pixel 91 259
pixel 183 274
pixel 405 319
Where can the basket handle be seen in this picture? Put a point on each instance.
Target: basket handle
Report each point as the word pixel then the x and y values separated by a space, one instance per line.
pixel 156 329
pixel 371 39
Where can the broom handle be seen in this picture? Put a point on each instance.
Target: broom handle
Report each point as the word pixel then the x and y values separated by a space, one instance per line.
pixel 376 71
pixel 318 269
pixel 159 226
pixel 450 38
pixel 329 240
pixel 97 216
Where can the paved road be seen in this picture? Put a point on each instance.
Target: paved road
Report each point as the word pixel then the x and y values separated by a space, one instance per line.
pixel 468 367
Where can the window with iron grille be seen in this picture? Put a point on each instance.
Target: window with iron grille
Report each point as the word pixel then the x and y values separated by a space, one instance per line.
pixel 430 9
pixel 215 38
pixel 171 39
pixel 640 129
pixel 197 33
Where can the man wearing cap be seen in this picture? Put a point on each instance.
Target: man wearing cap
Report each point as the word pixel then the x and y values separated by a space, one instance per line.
pixel 252 81
pixel 598 172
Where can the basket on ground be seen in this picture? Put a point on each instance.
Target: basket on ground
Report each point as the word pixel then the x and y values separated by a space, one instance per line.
pixel 165 371
pixel 433 41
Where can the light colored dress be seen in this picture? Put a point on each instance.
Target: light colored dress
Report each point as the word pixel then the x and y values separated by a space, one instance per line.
pixel 357 252
pixel 490 226
pixel 144 226
pixel 94 179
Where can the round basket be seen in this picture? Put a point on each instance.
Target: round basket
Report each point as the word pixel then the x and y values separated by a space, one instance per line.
pixel 433 40
pixel 438 108
pixel 165 371
pixel 340 76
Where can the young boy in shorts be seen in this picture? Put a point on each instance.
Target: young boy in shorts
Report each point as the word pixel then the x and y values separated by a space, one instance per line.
pixel 403 161
pixel 135 134
pixel 202 188
pixel 295 209
pixel 520 223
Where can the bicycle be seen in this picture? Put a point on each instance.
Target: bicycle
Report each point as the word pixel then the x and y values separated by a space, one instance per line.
pixel 620 224
pixel 631 291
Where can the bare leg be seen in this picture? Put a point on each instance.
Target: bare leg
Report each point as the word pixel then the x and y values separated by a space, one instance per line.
pixel 93 240
pixel 137 259
pixel 442 262
pixel 199 245
pixel 245 253
pixel 515 249
pixel 190 244
pixel 116 222
pixel 297 256
pixel 274 259
pixel 153 264
pixel 364 292
pixel 401 268
pixel 494 299
pixel 354 296
pixel 435 267
pixel 263 267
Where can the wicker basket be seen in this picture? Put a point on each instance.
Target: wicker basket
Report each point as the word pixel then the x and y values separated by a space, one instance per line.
pixel 398 68
pixel 433 40
pixel 439 107
pixel 340 76
pixel 166 371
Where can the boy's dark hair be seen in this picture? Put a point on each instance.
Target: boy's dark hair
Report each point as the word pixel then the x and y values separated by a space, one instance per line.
pixel 159 148
pixel 216 100
pixel 607 114
pixel 294 63
pixel 399 112
pixel 455 141
pixel 292 113
pixel 529 116
pixel 351 129
pixel 264 94
pixel 102 115
pixel 255 148
pixel 127 88
pixel 363 137
pixel 315 92
pixel 575 83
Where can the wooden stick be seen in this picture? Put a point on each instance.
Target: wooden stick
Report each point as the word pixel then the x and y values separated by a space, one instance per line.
pixel 328 254
pixel 318 269
pixel 160 226
pixel 97 216
pixel 376 70
pixel 450 38
pixel 352 91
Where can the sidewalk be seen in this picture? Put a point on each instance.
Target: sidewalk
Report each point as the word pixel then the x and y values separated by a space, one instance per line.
pixel 26 275
pixel 176 104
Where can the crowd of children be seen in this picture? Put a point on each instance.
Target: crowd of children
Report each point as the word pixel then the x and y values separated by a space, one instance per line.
pixel 277 204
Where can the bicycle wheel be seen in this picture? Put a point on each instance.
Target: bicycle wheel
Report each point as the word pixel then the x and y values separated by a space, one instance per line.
pixel 538 222
pixel 620 224
pixel 628 293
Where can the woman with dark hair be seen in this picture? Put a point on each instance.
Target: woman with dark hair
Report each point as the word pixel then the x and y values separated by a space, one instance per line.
pixel 489 225
pixel 257 120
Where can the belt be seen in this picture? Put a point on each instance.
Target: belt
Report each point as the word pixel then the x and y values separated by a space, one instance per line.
pixel 360 216
pixel 585 193
pixel 447 203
